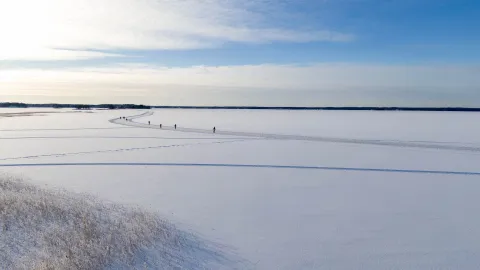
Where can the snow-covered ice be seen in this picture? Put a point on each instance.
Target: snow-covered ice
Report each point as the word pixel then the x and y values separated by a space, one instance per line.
pixel 280 203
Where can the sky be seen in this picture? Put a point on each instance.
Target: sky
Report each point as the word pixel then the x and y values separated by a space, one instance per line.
pixel 241 52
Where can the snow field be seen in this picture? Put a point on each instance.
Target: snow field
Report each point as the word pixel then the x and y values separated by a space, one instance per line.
pixel 290 218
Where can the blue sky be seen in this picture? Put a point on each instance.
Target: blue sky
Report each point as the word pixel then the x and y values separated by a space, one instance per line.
pixel 232 52
pixel 391 32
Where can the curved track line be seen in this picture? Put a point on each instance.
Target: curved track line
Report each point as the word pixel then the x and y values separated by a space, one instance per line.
pixel 120 137
pixel 60 129
pixel 324 168
pixel 115 150
pixel 410 144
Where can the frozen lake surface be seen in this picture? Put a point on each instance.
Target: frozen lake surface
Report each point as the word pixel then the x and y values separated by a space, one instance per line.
pixel 281 189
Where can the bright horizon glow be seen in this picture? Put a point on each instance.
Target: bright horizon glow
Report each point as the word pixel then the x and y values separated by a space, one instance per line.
pixel 248 85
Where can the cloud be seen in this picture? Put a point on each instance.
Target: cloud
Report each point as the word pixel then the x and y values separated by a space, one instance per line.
pixel 36 30
pixel 349 83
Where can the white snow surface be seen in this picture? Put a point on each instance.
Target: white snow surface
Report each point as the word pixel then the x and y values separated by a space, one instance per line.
pixel 298 202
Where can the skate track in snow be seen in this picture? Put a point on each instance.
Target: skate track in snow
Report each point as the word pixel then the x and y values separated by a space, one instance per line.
pixel 392 143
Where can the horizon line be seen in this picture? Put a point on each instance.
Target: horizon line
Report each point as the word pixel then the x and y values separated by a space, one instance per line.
pixel 233 107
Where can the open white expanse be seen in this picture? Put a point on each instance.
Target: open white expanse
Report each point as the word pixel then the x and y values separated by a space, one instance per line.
pixel 352 190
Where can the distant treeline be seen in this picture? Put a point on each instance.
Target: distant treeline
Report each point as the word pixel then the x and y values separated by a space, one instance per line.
pixel 134 106
pixel 431 109
pixel 73 106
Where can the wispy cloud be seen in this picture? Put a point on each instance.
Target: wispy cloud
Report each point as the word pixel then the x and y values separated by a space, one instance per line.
pixel 31 29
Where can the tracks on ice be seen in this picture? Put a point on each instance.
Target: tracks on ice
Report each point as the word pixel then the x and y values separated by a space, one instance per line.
pixel 60 129
pixel 265 166
pixel 392 143
pixel 119 137
pixel 117 150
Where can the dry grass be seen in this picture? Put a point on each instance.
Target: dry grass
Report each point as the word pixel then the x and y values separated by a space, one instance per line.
pixel 43 229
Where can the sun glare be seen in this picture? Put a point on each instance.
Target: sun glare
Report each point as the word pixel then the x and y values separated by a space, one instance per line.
pixel 31 29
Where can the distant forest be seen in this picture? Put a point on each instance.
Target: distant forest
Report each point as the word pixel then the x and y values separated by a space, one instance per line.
pixel 73 106
pixel 135 106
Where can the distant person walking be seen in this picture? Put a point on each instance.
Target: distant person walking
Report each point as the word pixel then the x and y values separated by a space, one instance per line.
pixel 214 129
pixel 175 126
pixel 160 125
pixel 149 122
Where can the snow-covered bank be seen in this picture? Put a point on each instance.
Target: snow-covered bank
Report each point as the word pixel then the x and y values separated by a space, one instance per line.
pixel 44 229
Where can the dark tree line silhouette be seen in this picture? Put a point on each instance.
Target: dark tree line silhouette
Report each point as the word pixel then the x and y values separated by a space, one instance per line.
pixel 74 106
pixel 135 106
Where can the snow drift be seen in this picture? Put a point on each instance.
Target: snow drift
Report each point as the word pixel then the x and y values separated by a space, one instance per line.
pixel 44 229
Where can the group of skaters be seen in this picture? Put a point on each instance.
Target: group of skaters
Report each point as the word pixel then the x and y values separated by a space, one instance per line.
pixel 174 126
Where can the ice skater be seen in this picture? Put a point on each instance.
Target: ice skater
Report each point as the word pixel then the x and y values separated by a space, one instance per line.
pixel 160 125
pixel 175 126
pixel 214 129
